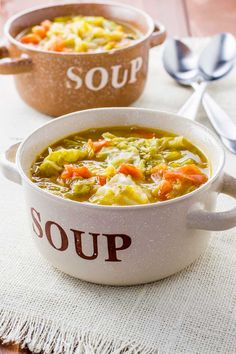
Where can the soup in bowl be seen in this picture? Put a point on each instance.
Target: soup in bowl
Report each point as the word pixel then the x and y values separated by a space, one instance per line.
pixel 79 34
pixel 132 243
pixel 121 166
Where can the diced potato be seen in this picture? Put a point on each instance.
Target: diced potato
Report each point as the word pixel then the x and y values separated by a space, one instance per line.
pixel 81 47
pixel 110 45
pixel 70 41
pixel 99 33
pixel 115 36
pixel 110 171
pixel 95 20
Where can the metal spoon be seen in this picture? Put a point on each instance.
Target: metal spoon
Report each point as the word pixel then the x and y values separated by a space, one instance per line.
pixel 217 59
pixel 212 67
pixel 181 64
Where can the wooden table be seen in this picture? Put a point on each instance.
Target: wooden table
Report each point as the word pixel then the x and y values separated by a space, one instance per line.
pixel 181 18
pixel 11 349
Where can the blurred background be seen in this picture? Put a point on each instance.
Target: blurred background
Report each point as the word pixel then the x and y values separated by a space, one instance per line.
pixel 181 17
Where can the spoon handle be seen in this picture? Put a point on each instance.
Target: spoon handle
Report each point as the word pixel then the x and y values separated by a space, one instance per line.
pixel 191 106
pixel 220 120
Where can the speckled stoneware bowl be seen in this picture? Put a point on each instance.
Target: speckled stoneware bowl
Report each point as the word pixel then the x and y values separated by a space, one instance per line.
pixel 122 245
pixel 58 83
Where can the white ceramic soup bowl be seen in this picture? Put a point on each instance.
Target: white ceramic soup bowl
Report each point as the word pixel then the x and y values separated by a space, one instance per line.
pixel 122 245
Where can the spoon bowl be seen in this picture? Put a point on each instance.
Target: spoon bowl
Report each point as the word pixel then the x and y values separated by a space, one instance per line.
pixel 180 62
pixel 217 59
pixel 183 66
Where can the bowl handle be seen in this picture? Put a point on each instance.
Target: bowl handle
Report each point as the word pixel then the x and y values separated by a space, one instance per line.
pixel 8 166
pixel 12 66
pixel 158 36
pixel 215 221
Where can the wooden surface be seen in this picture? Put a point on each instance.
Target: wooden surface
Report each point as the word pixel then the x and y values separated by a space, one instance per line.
pixel 11 349
pixel 181 18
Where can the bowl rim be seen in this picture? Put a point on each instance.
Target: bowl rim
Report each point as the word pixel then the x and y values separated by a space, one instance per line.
pixel 203 187
pixel 22 46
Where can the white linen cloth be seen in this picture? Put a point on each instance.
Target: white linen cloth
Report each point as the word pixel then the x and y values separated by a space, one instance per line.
pixel 192 312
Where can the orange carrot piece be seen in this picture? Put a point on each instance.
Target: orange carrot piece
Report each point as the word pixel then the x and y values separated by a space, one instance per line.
pixel 190 169
pixel 71 171
pixel 30 38
pixel 57 46
pixel 131 170
pixel 144 134
pixel 40 31
pixel 98 145
pixel 197 179
pixel 164 188
pixel 101 180
pixel 46 24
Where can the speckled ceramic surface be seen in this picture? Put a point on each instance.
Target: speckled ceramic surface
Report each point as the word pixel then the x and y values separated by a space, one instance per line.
pixel 122 245
pixel 59 83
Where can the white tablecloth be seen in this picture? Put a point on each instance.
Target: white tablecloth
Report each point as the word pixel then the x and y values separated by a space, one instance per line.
pixel 191 312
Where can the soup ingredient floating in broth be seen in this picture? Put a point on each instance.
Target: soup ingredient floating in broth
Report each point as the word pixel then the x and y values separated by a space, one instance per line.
pixel 79 34
pixel 121 166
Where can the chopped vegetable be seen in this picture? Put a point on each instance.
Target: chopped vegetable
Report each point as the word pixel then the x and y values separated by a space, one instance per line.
pixel 82 187
pixel 56 45
pixel 54 161
pixel 120 190
pixel 190 173
pixel 97 145
pixel 30 38
pixel 40 31
pixel 164 188
pixel 72 171
pixel 46 24
pixel 102 180
pixel 131 170
pixel 159 169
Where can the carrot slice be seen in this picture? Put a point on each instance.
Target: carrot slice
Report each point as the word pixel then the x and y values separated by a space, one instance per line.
pixel 131 170
pixel 144 134
pixel 101 180
pixel 98 145
pixel 71 171
pixel 40 31
pixel 30 38
pixel 189 173
pixel 57 46
pixel 190 169
pixel 197 179
pixel 46 24
pixel 164 188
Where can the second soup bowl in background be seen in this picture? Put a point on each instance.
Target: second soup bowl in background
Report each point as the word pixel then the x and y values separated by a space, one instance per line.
pixel 57 83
